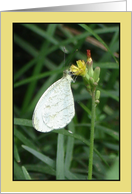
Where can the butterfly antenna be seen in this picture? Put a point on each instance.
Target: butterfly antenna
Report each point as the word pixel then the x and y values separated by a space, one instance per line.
pixel 72 54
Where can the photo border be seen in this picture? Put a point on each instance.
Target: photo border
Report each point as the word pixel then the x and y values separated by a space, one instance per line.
pixel 7 19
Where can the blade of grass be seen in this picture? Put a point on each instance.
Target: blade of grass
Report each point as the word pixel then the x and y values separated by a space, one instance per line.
pixel 38 67
pixel 113 45
pixel 110 94
pixel 88 111
pixel 111 146
pixel 23 138
pixel 59 44
pixel 60 158
pixel 107 65
pixel 106 130
pixel 25 68
pixel 40 156
pixel 16 154
pixel 25 45
pixel 18 173
pixel 98 38
pixel 71 176
pixel 110 84
pixel 36 77
pixel 23 122
pixel 69 147
pixel 48 82
pixel 110 132
pixel 63 132
pixel 113 75
pixel 40 168
pixel 104 93
pixel 41 32
pixel 26 174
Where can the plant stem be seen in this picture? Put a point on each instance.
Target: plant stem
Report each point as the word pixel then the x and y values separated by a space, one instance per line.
pixel 91 138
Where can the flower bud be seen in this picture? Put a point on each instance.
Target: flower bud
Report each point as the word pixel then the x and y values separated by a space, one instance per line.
pixel 89 63
pixel 89 58
pixel 95 83
pixel 97 95
pixel 91 80
pixel 89 89
pixel 90 70
pixel 96 74
pixel 97 102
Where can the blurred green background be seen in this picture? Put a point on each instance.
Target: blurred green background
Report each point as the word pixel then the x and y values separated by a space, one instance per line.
pixel 38 61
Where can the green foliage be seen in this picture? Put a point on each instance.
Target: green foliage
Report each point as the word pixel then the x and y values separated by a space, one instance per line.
pixel 38 62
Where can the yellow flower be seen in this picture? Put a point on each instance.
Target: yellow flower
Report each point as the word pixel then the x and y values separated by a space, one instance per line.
pixel 80 69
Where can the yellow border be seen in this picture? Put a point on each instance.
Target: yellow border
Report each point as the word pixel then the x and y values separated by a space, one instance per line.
pixel 7 18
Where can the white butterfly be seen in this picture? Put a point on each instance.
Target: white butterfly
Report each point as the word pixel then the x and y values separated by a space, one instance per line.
pixel 55 109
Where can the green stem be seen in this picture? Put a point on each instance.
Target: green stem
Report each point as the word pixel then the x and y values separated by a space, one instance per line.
pixel 91 138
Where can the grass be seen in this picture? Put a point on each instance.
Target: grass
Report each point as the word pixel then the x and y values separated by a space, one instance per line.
pixel 38 62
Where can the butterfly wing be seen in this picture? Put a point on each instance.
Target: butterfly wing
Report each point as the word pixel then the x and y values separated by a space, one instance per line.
pixel 59 108
pixel 55 108
pixel 37 119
